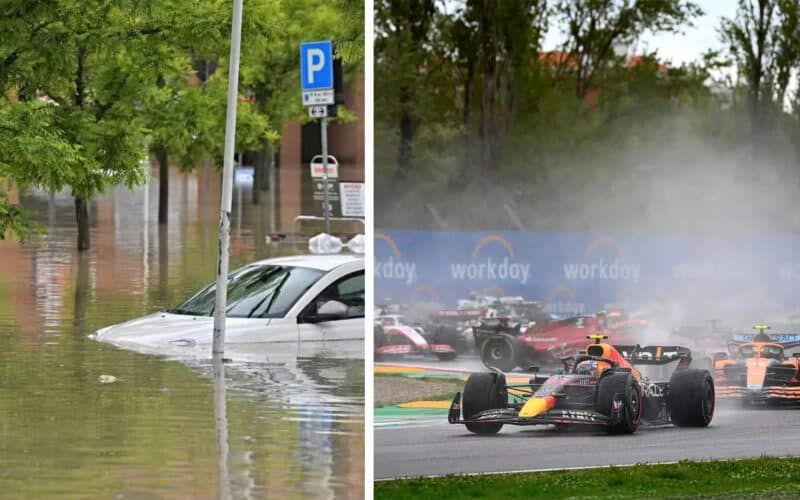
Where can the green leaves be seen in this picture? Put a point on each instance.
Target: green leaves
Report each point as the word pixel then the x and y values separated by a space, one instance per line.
pixel 15 220
pixel 100 83
pixel 474 73
pixel 36 150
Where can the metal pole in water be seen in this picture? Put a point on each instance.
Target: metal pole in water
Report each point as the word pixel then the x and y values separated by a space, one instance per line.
pixel 325 203
pixel 227 183
pixel 221 421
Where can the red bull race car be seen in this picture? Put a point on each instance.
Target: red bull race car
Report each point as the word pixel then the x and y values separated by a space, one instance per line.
pixel 615 387
pixel 393 336
pixel 757 370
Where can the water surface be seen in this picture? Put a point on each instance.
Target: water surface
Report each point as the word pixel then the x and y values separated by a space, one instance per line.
pixel 293 430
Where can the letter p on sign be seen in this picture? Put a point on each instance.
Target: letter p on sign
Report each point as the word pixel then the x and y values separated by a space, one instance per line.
pixel 316 65
pixel 316 61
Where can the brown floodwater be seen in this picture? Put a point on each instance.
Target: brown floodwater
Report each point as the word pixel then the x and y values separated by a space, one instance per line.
pixel 287 432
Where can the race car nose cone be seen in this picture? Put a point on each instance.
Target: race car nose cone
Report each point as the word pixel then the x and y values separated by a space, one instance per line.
pixel 536 406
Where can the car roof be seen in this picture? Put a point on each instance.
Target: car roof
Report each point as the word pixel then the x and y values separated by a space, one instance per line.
pixel 323 262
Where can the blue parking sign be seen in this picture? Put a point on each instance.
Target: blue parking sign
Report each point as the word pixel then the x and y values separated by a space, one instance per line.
pixel 316 65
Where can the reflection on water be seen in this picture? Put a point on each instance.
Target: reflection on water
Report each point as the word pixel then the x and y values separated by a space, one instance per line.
pixel 293 430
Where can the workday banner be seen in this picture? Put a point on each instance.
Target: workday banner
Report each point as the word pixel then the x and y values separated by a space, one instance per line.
pixel 583 272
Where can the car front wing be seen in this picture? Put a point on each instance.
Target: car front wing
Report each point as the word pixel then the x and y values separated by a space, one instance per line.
pixel 555 416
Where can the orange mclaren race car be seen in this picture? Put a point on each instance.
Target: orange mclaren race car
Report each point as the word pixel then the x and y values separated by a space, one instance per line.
pixel 758 371
pixel 616 387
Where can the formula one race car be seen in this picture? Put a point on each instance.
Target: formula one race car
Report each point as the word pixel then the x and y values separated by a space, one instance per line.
pixel 616 387
pixel 505 344
pixel 393 336
pixel 758 371
pixel 457 323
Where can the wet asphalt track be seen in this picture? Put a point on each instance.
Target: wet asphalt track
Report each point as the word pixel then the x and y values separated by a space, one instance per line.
pixel 431 446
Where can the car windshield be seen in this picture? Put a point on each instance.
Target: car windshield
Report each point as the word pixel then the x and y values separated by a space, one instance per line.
pixel 257 291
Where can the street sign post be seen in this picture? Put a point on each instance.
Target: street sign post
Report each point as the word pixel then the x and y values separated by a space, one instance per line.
pixel 316 66
pixel 318 97
pixel 318 167
pixel 317 85
pixel 318 111
pixel 352 199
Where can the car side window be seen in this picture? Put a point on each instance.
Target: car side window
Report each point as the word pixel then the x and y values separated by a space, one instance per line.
pixel 348 290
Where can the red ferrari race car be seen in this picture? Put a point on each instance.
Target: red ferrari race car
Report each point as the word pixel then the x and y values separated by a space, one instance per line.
pixel 616 387
pixel 394 337
pixel 505 343
pixel 758 371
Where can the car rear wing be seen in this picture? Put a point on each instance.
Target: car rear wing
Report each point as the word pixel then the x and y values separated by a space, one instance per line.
pixel 787 340
pixel 459 314
pixel 654 354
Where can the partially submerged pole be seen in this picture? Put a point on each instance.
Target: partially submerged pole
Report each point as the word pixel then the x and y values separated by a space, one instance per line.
pixel 227 183
pixel 221 425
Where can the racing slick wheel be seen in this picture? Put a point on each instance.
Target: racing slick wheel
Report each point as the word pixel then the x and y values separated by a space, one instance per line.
pixel 380 339
pixel 500 351
pixel 691 398
pixel 446 335
pixel 484 391
pixel 607 390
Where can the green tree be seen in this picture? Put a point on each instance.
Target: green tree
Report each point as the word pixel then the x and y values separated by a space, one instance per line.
pixel 402 57
pixel 86 58
pixel 764 40
pixel 89 88
pixel 594 27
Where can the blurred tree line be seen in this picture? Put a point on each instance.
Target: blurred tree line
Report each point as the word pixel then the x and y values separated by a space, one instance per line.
pixel 90 88
pixel 472 112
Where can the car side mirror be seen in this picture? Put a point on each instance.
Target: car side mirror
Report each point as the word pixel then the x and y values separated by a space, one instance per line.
pixel 328 311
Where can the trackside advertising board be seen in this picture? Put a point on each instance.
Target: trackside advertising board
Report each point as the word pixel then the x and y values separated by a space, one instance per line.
pixel 583 272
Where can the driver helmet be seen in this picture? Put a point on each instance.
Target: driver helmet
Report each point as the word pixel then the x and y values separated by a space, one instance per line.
pixel 587 367
pixel 762 337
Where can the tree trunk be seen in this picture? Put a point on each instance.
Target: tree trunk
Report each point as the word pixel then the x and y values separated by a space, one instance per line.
pixel 82 285
pixel 82 218
pixel 461 179
pixel 163 264
pixel 163 185
pixel 265 166
pixel 407 127
pixel 258 174
pixel 81 203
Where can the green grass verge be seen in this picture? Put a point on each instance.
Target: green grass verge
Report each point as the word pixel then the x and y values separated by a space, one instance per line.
pixel 751 478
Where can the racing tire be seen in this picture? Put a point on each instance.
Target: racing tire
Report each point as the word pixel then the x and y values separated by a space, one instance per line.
pixel 691 399
pixel 501 352
pixel 484 391
pixel 380 340
pixel 449 336
pixel 620 383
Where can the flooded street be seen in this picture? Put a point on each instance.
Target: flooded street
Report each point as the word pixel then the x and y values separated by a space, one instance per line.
pixel 293 429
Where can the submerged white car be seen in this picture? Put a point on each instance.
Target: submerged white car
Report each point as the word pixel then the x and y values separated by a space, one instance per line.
pixel 300 306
